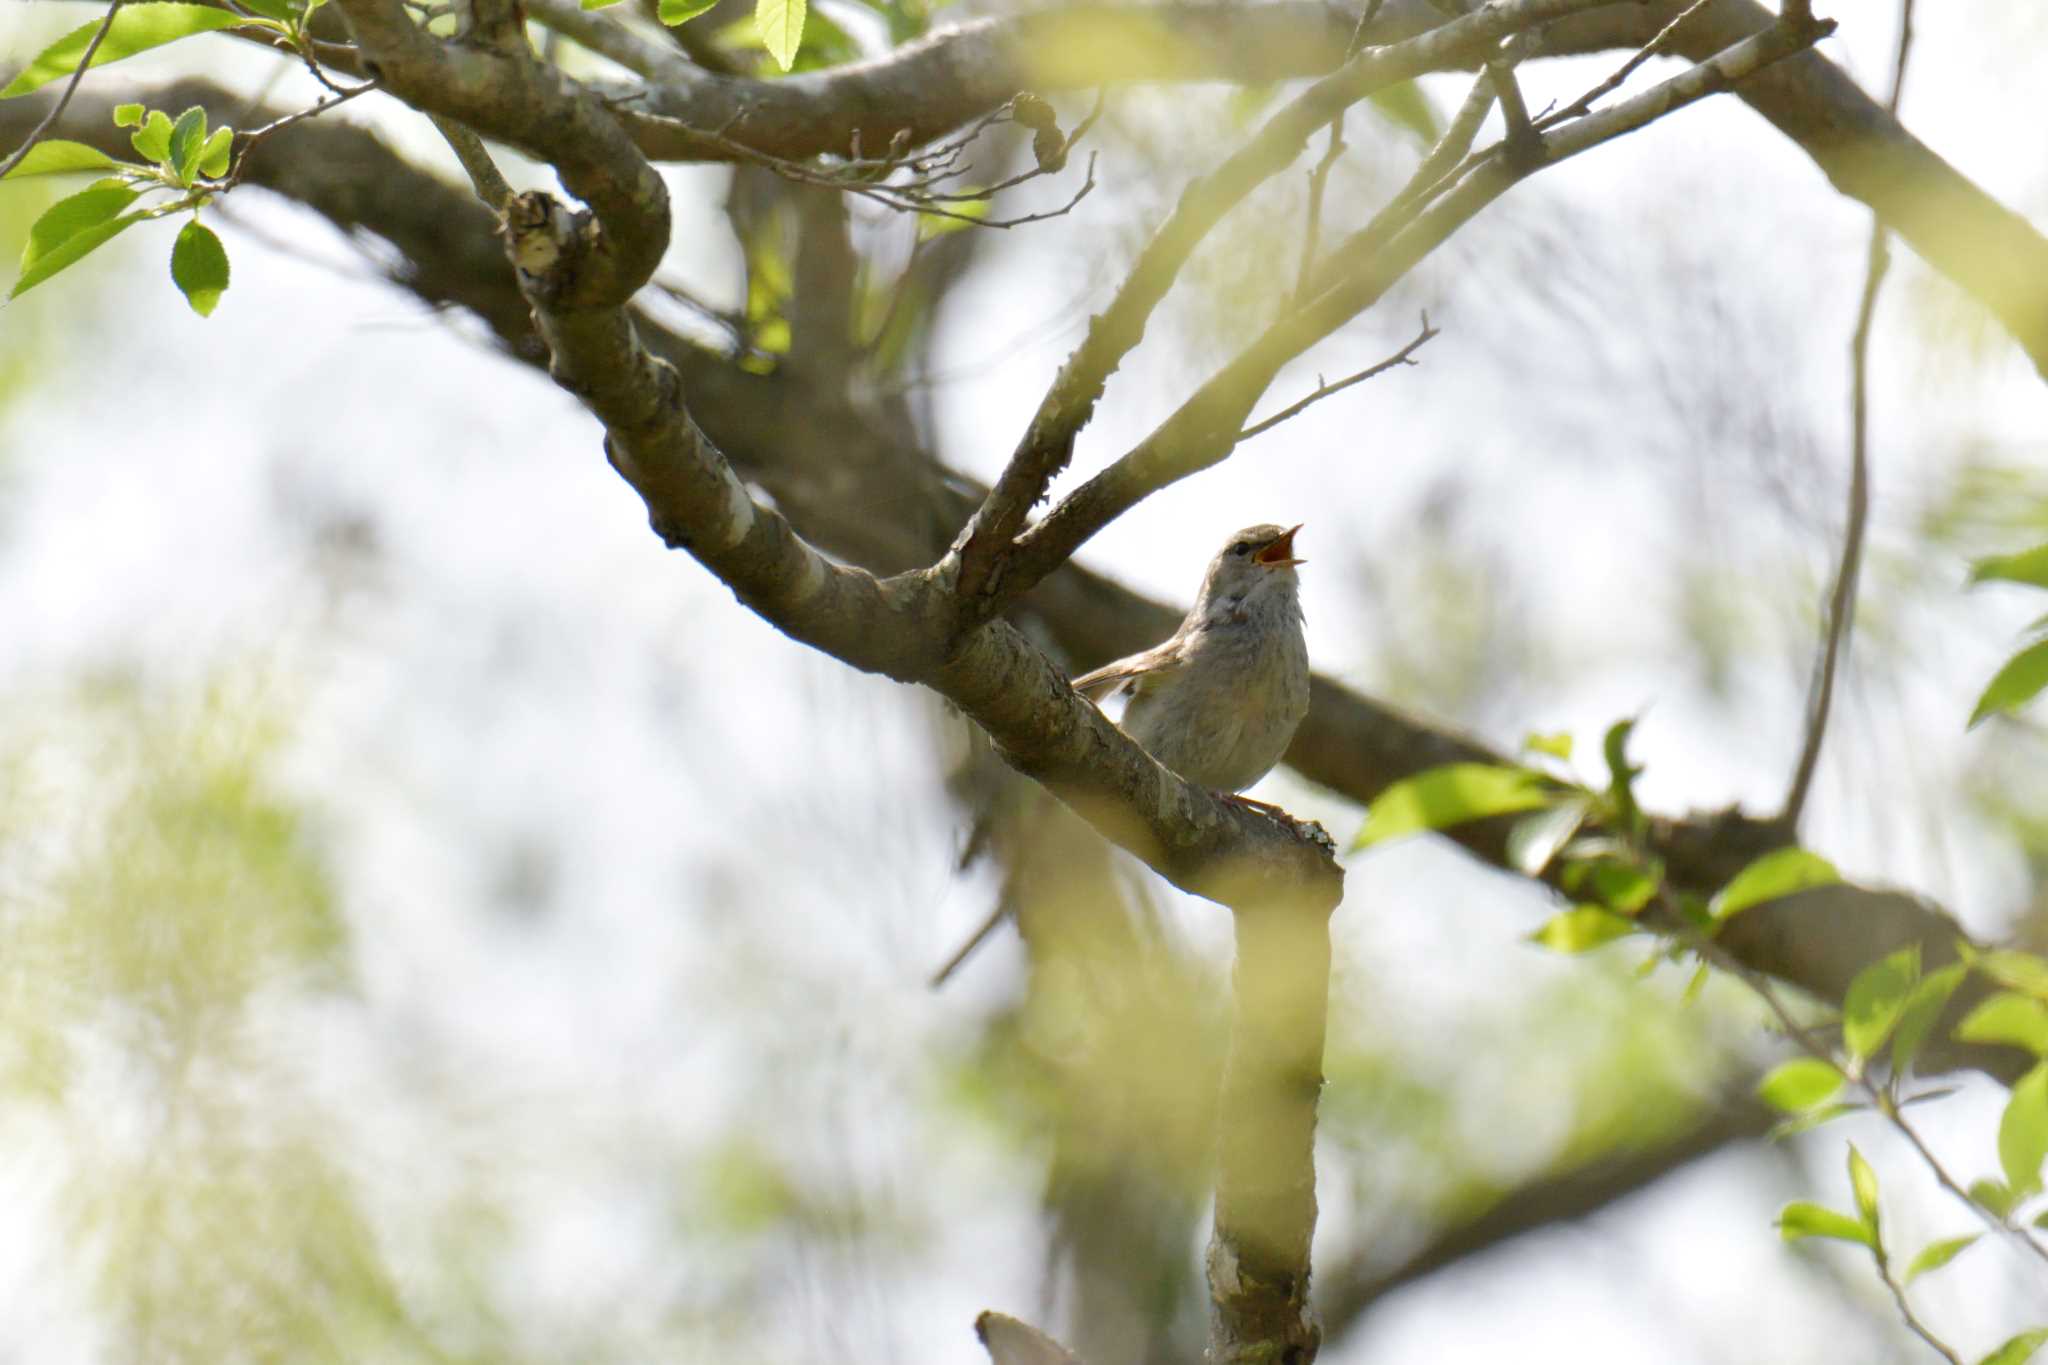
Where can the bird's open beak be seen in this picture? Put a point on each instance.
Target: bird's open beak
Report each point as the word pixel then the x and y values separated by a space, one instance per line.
pixel 1279 552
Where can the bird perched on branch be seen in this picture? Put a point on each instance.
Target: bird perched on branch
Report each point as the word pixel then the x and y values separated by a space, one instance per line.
pixel 1219 699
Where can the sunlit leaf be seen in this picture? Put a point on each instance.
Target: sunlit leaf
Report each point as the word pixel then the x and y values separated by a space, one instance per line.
pixel 964 213
pixel 1778 873
pixel 2023 1132
pixel 153 139
pixel 2011 967
pixel 55 156
pixel 1800 1219
pixel 1935 1255
pixel 781 23
pixel 1875 999
pixel 128 115
pixel 2019 1350
pixel 213 157
pixel 2008 1017
pixel 1535 839
pixel 2014 685
pixel 673 12
pixel 199 267
pixel 1863 1183
pixel 1581 929
pixel 69 229
pixel 2028 566
pixel 1624 887
pixel 135 28
pixel 1800 1084
pixel 1923 1010
pixel 188 139
pixel 1557 744
pixel 1994 1195
pixel 1450 795
pixel 1810 1120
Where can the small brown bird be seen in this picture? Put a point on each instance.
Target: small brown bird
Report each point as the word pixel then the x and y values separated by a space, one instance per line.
pixel 1219 700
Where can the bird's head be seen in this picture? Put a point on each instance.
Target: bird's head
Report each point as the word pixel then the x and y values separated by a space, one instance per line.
pixel 1256 563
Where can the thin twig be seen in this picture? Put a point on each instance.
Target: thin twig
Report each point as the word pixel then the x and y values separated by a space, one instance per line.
pixel 1841 605
pixel 257 135
pixel 1583 105
pixel 1318 182
pixel 490 184
pixel 99 36
pixel 1400 357
pixel 1918 1328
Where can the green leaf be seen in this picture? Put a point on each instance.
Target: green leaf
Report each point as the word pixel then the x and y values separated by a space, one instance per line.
pixel 2023 1132
pixel 213 157
pixel 781 23
pixel 2008 1017
pixel 1535 839
pixel 188 139
pixel 284 11
pixel 153 138
pixel 1800 1219
pixel 1776 874
pixel 1935 1255
pixel 1450 795
pixel 1557 744
pixel 55 156
pixel 1621 773
pixel 136 28
pixel 1875 998
pixel 1994 1195
pixel 72 215
pixel 1923 1010
pixel 1581 929
pixel 2014 685
pixel 607 4
pixel 199 267
pixel 2028 566
pixel 2011 967
pixel 1697 984
pixel 1405 106
pixel 674 12
pixel 2019 1350
pixel 1863 1183
pixel 128 115
pixel 69 229
pixel 1811 1119
pixel 964 214
pixel 1624 888
pixel 1801 1084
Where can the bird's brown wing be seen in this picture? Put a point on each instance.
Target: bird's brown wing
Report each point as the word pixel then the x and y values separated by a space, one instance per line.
pixel 1127 674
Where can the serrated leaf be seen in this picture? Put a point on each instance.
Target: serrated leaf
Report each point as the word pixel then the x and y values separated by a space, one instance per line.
pixel 1863 1184
pixel 213 157
pixel 199 267
pixel 1450 795
pixel 1800 1084
pixel 2023 1132
pixel 2019 1350
pixel 135 28
pixel 153 139
pixel 188 138
pixel 673 12
pixel 781 24
pixel 1935 1255
pixel 1581 929
pixel 2011 1018
pixel 284 11
pixel 55 156
pixel 1923 1010
pixel 1800 1219
pixel 2014 685
pixel 1557 744
pixel 1535 839
pixel 2028 566
pixel 128 115
pixel 1776 874
pixel 1875 999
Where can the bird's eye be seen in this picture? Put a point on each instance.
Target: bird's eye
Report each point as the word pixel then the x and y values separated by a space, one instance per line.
pixel 1241 549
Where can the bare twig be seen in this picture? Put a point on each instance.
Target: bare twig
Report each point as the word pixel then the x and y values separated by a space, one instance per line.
pixel 19 154
pixel 1404 356
pixel 1841 605
pixel 483 173
pixel 1583 105
pixel 612 40
pixel 1318 181
pixel 255 136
